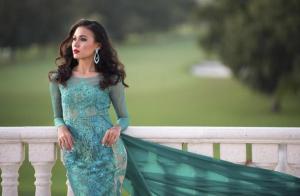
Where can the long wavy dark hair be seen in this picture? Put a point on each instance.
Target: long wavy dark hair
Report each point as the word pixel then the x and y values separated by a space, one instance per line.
pixel 109 65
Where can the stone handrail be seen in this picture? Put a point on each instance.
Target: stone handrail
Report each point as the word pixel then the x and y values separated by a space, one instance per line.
pixel 276 148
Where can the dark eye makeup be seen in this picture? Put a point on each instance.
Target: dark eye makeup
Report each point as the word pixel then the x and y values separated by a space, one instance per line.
pixel 81 38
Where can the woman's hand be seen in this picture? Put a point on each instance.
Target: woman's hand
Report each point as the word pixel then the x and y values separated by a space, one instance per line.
pixel 111 136
pixel 65 139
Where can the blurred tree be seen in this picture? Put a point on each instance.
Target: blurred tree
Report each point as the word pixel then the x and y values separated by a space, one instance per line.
pixel 42 21
pixel 24 23
pixel 123 17
pixel 258 40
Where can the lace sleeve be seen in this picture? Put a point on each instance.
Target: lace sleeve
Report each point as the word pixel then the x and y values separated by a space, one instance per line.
pixel 117 96
pixel 56 102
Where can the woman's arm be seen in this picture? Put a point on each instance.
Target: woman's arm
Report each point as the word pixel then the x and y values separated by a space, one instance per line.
pixel 117 95
pixel 56 102
pixel 65 139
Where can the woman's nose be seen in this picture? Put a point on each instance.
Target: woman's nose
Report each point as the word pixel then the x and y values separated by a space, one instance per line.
pixel 76 44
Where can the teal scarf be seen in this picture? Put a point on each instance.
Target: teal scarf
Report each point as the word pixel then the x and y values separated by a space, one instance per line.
pixel 155 169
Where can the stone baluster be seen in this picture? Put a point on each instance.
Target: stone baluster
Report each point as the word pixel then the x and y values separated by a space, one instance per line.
pixel 172 145
pixel 69 189
pixel 293 158
pixel 233 152
pixel 11 158
pixel 42 157
pixel 282 165
pixel 206 149
pixel 265 155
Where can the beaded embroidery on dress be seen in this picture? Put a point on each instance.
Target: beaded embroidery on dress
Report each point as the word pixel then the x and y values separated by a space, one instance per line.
pixel 92 169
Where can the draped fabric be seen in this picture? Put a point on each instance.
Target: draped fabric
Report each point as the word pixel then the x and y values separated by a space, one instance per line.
pixel 154 169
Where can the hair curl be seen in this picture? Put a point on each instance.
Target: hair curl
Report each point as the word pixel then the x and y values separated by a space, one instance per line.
pixel 109 65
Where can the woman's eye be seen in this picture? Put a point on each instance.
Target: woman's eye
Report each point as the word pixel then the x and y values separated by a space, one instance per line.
pixel 81 39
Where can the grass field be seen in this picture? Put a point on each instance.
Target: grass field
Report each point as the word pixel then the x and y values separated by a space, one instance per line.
pixel 162 92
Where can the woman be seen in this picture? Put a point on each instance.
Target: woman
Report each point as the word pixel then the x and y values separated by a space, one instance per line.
pixel 90 77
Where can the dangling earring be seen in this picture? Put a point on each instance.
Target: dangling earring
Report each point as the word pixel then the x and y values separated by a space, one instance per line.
pixel 97 56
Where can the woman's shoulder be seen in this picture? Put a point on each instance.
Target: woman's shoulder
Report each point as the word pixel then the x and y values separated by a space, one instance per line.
pixel 117 85
pixel 53 76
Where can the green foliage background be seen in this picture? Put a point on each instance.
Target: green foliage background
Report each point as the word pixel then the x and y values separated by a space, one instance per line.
pixel 258 40
pixel 162 92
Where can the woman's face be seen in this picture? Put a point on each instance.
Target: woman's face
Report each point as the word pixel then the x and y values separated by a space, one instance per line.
pixel 83 43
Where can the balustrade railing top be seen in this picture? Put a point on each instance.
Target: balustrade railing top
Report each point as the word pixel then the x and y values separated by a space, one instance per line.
pixel 276 148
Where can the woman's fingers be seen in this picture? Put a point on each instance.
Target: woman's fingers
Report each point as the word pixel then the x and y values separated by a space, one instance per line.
pixel 110 137
pixel 66 141
pixel 104 138
pixel 111 141
pixel 60 143
pixel 69 142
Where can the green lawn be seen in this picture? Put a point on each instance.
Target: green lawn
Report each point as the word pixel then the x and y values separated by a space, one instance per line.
pixel 162 92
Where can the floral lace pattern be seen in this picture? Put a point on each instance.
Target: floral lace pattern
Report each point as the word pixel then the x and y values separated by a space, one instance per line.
pixel 82 106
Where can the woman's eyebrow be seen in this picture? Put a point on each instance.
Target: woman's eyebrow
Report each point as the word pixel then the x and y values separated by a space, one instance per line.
pixel 81 36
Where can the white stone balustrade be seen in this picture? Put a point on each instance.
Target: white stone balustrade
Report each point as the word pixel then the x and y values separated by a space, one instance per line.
pixel 275 148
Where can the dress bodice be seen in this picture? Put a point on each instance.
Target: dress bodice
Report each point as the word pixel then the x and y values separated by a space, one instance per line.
pixel 82 97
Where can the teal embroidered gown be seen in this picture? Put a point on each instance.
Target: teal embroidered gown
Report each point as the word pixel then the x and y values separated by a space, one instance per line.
pixel 92 169
pixel 152 169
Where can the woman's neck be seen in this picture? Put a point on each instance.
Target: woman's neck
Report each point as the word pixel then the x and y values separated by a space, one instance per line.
pixel 85 67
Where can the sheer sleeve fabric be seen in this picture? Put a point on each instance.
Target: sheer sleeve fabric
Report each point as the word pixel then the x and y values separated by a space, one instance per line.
pixel 117 96
pixel 56 102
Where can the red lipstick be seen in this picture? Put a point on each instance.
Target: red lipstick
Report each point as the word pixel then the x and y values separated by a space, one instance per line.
pixel 75 51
